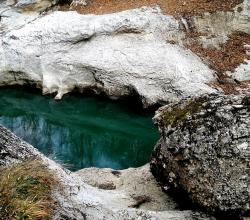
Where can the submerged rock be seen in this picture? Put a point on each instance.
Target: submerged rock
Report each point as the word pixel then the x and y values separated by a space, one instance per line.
pixel 204 151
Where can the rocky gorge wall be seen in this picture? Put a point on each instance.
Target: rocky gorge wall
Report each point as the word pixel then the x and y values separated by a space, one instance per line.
pixel 103 57
pixel 204 148
pixel 120 54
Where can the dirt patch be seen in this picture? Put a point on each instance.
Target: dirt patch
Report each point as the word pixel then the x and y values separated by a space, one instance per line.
pixel 229 56
pixel 173 7
pixel 231 87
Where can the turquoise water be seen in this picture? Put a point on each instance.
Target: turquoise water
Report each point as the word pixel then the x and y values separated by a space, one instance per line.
pixel 80 131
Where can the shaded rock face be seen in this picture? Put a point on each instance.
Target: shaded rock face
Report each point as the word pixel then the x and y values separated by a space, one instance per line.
pixel 13 149
pixel 204 151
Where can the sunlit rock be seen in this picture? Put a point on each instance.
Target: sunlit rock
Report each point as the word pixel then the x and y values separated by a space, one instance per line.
pixel 122 54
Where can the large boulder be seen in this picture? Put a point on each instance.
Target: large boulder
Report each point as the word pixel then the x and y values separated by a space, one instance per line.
pixel 204 151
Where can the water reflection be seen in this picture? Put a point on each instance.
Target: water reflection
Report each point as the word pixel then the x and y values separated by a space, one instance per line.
pixel 79 131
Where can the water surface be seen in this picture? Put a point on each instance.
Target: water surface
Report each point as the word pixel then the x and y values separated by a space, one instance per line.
pixel 80 131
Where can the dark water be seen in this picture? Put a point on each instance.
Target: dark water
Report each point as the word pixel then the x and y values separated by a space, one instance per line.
pixel 80 131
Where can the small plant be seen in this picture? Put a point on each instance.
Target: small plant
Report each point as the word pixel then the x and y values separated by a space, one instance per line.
pixel 179 113
pixel 25 192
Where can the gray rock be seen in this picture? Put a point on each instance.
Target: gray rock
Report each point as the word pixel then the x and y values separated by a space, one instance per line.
pixel 119 54
pixel 11 19
pixel 138 182
pixel 13 149
pixel 204 151
pixel 34 5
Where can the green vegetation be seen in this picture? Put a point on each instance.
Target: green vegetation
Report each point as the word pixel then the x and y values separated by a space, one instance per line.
pixel 178 113
pixel 25 192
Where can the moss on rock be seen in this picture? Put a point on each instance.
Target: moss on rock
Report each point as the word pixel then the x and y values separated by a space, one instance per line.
pixel 178 113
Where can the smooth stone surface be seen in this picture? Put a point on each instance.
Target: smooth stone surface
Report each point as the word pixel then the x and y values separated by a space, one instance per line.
pixel 121 54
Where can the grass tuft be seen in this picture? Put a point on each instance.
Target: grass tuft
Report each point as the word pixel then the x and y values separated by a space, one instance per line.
pixel 25 192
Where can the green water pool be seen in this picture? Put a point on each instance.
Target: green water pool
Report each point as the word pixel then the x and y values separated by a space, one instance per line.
pixel 80 131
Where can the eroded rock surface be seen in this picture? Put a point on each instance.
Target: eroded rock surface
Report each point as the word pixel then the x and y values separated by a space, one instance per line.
pixel 139 183
pixel 137 52
pixel 132 53
pixel 119 54
pixel 204 150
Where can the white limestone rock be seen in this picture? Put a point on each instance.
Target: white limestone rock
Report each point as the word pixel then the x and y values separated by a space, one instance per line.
pixel 120 54
pixel 11 19
pixel 242 72
pixel 218 27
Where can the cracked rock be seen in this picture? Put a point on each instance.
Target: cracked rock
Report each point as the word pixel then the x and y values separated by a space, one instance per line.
pixel 204 151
